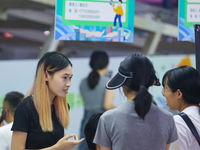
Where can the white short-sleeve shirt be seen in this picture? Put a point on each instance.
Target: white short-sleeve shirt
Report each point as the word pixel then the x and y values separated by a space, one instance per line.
pixel 6 137
pixel 186 140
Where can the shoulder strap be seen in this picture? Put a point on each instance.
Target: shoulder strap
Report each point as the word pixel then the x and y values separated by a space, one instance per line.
pixel 191 126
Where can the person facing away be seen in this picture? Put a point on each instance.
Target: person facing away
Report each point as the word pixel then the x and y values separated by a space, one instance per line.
pixel 94 94
pixel 136 124
pixel 10 103
pixel 90 130
pixel 182 93
pixel 40 118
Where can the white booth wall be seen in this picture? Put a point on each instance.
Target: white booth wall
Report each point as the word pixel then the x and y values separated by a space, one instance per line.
pixel 18 75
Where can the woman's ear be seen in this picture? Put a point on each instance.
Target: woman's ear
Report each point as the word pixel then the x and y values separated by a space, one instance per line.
pixel 47 76
pixel 179 94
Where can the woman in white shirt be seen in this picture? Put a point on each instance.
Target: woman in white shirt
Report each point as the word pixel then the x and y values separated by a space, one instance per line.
pixel 182 92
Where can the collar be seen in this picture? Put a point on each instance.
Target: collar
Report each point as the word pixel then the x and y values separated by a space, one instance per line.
pixel 191 109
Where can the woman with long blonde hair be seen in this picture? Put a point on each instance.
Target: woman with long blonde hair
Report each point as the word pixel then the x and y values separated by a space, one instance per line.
pixel 40 118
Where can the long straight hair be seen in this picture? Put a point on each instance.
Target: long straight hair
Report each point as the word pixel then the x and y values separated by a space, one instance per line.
pixel 51 62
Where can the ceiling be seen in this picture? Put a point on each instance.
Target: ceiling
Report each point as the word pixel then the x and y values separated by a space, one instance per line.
pixel 23 24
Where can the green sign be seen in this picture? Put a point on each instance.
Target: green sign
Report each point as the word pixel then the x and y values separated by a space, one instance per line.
pixel 192 15
pixel 1 103
pixel 74 100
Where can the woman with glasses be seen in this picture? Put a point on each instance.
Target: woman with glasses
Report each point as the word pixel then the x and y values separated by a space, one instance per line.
pixel 136 124
pixel 182 93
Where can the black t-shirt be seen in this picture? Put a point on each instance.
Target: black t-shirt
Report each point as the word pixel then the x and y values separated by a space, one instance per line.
pixel 27 120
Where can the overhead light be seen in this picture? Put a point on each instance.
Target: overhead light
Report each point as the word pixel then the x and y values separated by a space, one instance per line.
pixel 8 35
pixel 46 33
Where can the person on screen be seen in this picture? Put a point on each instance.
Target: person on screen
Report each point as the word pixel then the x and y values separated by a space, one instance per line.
pixel 136 124
pixel 119 14
pixel 10 103
pixel 41 117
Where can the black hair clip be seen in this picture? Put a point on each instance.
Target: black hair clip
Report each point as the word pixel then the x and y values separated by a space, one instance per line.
pixel 157 82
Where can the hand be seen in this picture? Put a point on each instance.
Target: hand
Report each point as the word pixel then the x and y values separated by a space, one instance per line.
pixel 65 144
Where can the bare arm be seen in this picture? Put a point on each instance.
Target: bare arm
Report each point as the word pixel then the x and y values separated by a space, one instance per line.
pixel 108 99
pixel 19 141
pixel 105 148
pixel 167 146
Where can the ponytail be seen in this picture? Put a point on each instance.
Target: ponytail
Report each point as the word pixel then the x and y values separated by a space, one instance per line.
pixel 93 79
pixel 143 102
pixel 98 61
